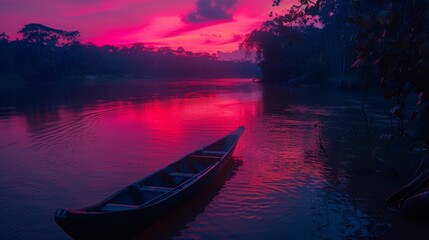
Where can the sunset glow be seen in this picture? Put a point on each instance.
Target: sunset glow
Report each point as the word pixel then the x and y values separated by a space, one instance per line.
pixel 196 25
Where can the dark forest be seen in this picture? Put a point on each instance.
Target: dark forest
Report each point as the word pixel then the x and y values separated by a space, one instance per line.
pixel 44 53
pixel 358 43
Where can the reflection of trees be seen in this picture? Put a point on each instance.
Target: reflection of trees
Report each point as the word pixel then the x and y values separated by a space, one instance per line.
pixel 45 53
pixel 36 121
pixel 45 100
pixel 291 117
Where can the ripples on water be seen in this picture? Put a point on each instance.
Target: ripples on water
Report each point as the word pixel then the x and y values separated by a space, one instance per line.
pixel 72 145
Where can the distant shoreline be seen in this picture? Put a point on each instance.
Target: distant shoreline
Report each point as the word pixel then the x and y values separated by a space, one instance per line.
pixel 18 80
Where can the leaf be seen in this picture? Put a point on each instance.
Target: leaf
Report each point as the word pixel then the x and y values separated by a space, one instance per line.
pixel 396 111
pixel 358 63
pixel 420 99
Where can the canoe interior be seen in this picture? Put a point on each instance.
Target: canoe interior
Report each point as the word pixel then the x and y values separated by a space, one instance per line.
pixel 166 181
pixel 412 197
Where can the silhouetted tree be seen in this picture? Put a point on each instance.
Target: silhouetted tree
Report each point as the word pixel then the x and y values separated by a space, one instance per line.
pixel 41 34
pixel 389 36
pixel 41 50
pixel 45 53
pixel 4 52
pixel 291 45
pixel 393 36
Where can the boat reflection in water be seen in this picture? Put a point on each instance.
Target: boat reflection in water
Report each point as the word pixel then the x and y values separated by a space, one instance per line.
pixel 171 225
pixel 142 203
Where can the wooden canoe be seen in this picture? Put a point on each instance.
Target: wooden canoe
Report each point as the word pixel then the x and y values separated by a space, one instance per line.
pixel 135 207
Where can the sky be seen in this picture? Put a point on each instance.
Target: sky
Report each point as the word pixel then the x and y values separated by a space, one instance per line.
pixel 196 25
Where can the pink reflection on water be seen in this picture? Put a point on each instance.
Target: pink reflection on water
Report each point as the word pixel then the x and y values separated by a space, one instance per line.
pixel 84 153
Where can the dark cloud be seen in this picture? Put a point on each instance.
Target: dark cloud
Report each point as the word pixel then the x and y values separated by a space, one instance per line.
pixel 210 35
pixel 234 38
pixel 211 10
pixel 186 28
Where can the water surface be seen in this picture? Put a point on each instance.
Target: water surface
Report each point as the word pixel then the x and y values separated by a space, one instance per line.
pixel 300 171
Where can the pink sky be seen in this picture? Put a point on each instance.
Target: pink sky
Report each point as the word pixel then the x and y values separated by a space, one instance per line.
pixel 196 25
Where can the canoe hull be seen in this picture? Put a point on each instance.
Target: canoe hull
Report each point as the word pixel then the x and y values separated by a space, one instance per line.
pixel 128 223
pixel 84 224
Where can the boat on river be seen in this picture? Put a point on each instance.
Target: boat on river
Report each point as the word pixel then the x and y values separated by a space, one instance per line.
pixel 413 197
pixel 135 207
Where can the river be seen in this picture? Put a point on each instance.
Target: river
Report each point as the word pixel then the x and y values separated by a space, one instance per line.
pixel 302 170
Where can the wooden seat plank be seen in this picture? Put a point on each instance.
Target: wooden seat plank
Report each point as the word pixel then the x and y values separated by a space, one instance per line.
pixel 204 156
pixel 155 188
pixel 214 152
pixel 112 207
pixel 181 174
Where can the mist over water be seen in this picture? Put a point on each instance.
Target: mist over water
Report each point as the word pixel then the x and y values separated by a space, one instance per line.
pixel 294 176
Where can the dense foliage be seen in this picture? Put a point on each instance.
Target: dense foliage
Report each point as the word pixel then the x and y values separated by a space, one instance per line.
pixel 44 53
pixel 309 39
pixel 393 36
pixel 285 53
pixel 386 40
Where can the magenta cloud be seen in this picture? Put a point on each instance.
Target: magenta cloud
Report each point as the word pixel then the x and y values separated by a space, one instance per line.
pixel 169 22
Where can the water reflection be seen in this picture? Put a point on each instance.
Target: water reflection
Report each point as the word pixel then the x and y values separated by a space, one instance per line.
pixel 171 226
pixel 71 145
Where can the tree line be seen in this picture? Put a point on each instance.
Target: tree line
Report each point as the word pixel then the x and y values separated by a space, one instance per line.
pixel 44 53
pixel 310 39
pixel 377 42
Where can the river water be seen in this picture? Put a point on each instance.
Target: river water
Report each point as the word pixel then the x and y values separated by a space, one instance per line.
pixel 302 170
